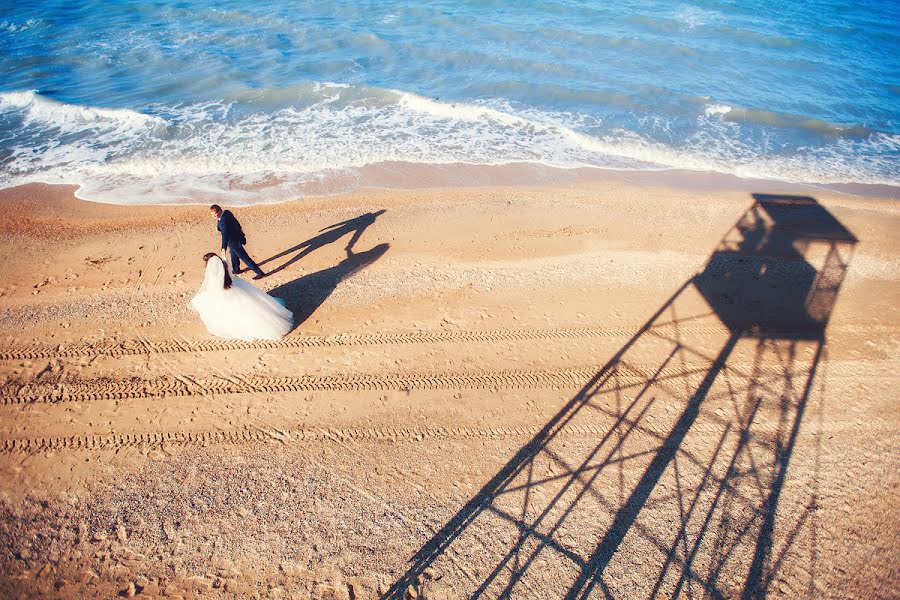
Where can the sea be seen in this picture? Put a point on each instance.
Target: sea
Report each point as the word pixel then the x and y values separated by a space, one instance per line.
pixel 248 102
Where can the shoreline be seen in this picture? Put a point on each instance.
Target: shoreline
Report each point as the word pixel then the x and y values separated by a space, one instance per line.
pixel 427 359
pixel 405 177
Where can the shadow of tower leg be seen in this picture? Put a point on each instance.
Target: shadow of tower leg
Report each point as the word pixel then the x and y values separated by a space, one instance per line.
pixel 760 573
pixel 626 516
pixel 482 501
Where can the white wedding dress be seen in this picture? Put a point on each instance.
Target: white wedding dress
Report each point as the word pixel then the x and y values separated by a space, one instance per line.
pixel 242 311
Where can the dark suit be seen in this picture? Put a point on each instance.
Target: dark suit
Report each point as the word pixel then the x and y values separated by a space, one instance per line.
pixel 234 239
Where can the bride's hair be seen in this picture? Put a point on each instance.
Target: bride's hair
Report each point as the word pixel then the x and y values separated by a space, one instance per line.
pixel 210 255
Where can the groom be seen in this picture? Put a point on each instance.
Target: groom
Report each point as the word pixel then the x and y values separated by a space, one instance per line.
pixel 233 239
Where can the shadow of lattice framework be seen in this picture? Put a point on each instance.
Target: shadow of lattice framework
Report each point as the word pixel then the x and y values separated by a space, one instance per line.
pixel 701 410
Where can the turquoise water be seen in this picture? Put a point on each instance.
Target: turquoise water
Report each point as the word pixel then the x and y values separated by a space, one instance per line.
pixel 168 101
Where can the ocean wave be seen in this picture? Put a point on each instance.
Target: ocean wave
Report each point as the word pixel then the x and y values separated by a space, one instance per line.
pixel 766 117
pixel 37 108
pixel 269 145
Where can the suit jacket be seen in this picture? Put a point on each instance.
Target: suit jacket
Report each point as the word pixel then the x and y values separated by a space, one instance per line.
pixel 232 234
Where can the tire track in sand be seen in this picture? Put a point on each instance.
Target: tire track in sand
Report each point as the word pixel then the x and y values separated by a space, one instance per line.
pixel 96 390
pixel 164 387
pixel 143 347
pixel 116 441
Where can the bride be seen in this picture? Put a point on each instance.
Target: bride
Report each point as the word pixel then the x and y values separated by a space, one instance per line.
pixel 234 308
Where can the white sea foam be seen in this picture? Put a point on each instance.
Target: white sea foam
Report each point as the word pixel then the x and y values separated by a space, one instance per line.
pixel 18 27
pixel 49 111
pixel 716 109
pixel 454 110
pixel 224 149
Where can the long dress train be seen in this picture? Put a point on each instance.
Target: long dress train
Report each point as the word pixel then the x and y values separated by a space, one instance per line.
pixel 242 311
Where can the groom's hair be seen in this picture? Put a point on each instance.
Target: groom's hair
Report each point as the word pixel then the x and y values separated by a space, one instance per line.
pixel 216 208
pixel 210 255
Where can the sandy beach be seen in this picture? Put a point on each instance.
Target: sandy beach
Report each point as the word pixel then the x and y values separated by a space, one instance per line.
pixel 611 388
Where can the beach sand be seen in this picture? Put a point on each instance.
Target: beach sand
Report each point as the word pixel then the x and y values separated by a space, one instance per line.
pixel 610 387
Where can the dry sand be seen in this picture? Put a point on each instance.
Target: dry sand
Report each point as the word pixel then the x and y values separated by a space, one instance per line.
pixel 599 389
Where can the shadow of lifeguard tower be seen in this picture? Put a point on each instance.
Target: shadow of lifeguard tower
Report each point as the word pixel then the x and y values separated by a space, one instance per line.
pixel 700 412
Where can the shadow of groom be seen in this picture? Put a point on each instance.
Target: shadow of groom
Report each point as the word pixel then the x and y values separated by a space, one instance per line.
pixel 327 235
pixel 304 295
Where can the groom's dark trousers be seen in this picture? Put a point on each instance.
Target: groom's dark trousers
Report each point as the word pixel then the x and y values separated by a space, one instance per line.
pixel 233 239
pixel 238 254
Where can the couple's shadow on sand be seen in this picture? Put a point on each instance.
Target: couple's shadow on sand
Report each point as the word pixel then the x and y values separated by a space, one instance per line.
pixel 304 295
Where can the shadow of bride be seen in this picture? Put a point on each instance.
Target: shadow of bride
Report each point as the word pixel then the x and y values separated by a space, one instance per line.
pixel 306 294
pixel 327 235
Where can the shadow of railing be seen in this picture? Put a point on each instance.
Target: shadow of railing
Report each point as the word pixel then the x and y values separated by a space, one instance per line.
pixel 700 411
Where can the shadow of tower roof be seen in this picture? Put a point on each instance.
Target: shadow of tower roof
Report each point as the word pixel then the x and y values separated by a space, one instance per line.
pixel 777 271
pixel 804 218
